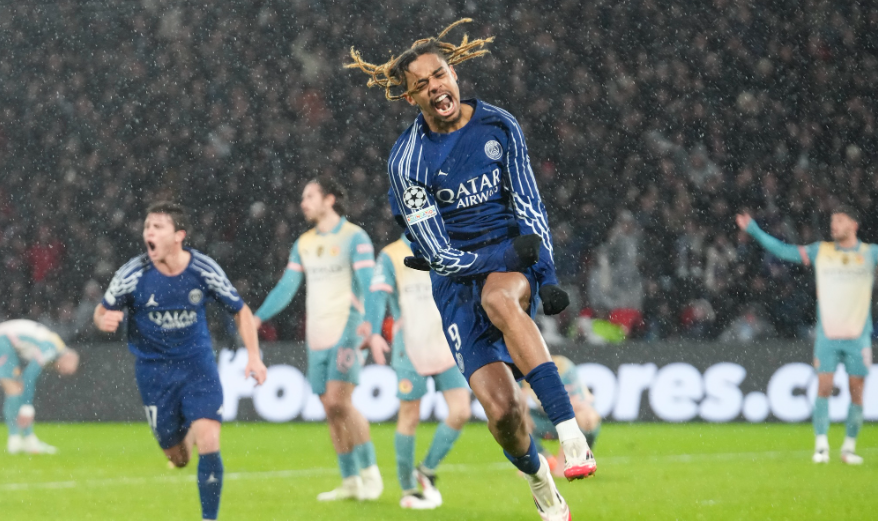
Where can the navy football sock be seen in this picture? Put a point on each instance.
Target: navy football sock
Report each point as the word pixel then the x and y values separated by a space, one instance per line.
pixel 210 483
pixel 547 385
pixel 529 463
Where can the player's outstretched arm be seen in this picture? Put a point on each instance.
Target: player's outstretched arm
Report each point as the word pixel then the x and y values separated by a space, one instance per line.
pixel 107 320
pixel 281 296
pixel 247 330
pixel 780 249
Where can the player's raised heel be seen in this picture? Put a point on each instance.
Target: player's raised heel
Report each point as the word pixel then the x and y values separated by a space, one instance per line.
pixel 427 480
pixel 416 501
pixel 351 488
pixel 579 460
pixel 849 458
pixel 549 502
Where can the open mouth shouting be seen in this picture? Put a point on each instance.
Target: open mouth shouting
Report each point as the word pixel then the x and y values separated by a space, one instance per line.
pixel 444 105
pixel 150 246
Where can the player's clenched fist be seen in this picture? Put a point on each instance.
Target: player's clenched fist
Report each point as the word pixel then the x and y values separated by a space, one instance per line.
pixel 108 321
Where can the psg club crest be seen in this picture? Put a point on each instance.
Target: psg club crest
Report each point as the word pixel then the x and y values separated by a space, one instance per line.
pixel 195 296
pixel 414 197
pixel 493 150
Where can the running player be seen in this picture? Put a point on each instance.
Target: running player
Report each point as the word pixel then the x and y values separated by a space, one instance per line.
pixel 580 397
pixel 461 182
pixel 336 259
pixel 419 352
pixel 165 291
pixel 26 347
pixel 845 271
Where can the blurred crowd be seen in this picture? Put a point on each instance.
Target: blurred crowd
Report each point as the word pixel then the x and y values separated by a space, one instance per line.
pixel 650 123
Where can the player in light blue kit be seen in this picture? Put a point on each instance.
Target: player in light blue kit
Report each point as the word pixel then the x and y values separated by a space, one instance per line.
pixel 336 259
pixel 420 352
pixel 165 292
pixel 26 347
pixel 845 272
pixel 462 184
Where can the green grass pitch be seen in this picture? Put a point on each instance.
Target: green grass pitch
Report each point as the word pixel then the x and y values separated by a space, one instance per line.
pixel 274 472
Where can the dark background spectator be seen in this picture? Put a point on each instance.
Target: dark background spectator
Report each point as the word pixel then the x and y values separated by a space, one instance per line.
pixel 678 113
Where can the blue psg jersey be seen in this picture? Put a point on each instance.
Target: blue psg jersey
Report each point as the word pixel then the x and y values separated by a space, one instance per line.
pixel 166 319
pixel 460 193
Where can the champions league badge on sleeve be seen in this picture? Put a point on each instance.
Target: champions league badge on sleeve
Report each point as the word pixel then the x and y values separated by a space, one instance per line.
pixel 414 197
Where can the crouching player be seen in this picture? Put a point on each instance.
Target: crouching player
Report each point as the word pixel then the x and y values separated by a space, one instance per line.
pixel 165 292
pixel 581 399
pixel 420 351
pixel 26 347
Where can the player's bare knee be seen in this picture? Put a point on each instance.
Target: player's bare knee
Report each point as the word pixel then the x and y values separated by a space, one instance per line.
pixel 334 406
pixel 456 419
pixel 506 416
pixel 500 306
pixel 178 456
pixel 459 412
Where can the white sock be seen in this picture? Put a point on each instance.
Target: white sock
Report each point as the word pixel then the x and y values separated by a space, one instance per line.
pixel 821 442
pixel 541 473
pixel 569 430
pixel 849 445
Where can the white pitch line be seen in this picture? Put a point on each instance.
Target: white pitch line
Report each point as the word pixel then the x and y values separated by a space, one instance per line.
pixel 452 468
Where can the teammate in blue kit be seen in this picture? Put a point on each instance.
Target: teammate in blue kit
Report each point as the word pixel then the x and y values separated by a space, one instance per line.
pixel 165 291
pixel 462 184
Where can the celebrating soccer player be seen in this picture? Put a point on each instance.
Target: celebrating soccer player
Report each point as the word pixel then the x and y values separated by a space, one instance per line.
pixel 420 351
pixel 165 291
pixel 26 347
pixel 845 271
pixel 337 259
pixel 462 183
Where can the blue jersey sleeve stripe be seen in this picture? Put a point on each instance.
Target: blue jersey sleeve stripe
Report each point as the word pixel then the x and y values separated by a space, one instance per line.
pixel 406 171
pixel 215 278
pixel 426 238
pixel 125 280
pixel 210 270
pixel 209 262
pixel 523 182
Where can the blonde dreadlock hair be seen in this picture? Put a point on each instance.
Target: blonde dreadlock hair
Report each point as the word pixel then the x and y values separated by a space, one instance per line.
pixel 392 73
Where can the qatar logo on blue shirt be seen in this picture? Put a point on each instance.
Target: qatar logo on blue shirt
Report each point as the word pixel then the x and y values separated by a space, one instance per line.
pixel 493 150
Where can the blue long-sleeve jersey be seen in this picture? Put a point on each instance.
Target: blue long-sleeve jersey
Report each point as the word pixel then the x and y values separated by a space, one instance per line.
pixel 462 193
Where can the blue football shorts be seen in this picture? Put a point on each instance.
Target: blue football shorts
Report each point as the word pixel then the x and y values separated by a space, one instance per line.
pixel 175 393
pixel 474 340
